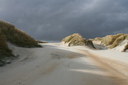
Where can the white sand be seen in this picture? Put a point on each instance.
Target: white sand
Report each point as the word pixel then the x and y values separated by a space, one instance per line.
pixel 52 65
pixel 121 46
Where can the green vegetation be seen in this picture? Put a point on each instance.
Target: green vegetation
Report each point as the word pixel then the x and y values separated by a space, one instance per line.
pixel 9 33
pixel 75 40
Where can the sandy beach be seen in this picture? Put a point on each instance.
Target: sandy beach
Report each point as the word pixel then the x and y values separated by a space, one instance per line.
pixel 56 64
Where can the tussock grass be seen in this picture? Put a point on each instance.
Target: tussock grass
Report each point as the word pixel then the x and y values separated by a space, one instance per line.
pixel 4 50
pixel 9 33
pixel 109 39
pixel 75 40
pixel 114 40
pixel 16 36
pixel 117 41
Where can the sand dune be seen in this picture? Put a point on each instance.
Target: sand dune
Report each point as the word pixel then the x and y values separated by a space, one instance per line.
pixel 56 64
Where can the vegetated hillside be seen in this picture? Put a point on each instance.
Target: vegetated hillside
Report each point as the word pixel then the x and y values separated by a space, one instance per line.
pixel 114 40
pixel 77 40
pixel 9 33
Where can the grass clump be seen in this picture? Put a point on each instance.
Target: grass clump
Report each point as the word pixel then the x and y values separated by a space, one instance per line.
pixel 5 52
pixel 75 40
pixel 126 36
pixel 109 39
pixel 16 36
pixel 117 41
pixel 39 41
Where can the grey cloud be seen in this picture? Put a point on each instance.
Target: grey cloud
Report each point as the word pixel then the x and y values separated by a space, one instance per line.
pixel 56 19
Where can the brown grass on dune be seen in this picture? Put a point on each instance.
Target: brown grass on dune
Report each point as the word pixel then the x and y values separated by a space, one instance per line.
pixel 9 33
pixel 109 39
pixel 75 40
pixel 117 41
pixel 126 36
pixel 16 36
pixel 4 50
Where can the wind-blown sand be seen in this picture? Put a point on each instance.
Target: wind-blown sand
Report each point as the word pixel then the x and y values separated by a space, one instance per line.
pixel 55 64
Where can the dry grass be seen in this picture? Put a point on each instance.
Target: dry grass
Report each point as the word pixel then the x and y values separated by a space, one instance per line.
pixel 9 33
pixel 109 39
pixel 113 40
pixel 4 50
pixel 16 36
pixel 117 41
pixel 126 36
pixel 75 40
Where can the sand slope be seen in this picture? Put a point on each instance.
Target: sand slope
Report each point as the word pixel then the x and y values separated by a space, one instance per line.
pixel 52 65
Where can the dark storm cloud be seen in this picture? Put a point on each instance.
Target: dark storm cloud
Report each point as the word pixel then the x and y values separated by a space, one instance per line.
pixel 55 19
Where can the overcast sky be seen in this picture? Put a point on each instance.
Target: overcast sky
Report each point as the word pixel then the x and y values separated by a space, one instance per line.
pixel 56 19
